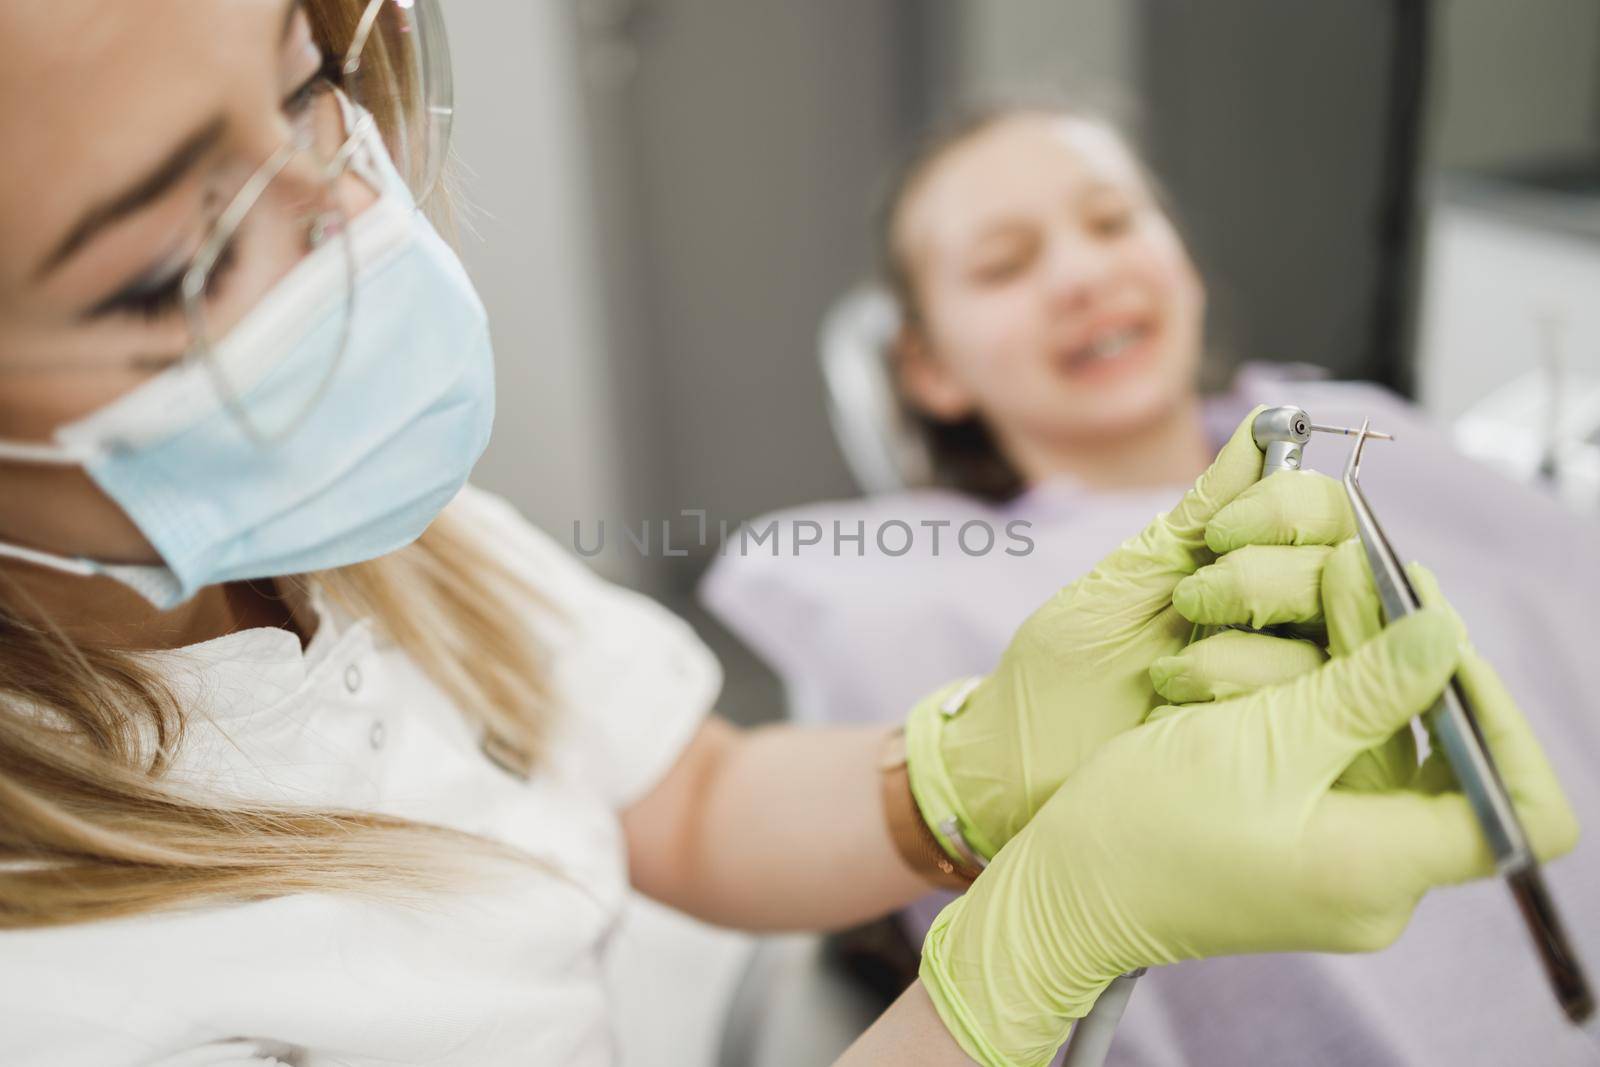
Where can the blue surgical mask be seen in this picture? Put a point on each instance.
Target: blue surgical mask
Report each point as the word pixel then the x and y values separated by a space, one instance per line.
pixel 389 442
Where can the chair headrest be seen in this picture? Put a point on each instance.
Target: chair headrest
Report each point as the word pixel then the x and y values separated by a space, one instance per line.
pixel 876 434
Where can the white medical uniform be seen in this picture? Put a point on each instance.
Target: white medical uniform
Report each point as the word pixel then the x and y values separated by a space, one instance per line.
pixel 506 974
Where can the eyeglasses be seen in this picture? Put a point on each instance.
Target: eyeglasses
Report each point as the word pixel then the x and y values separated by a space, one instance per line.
pixel 395 72
pixel 398 68
pixel 300 202
pixel 296 206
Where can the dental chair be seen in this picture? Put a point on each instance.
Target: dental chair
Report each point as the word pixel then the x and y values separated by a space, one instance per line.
pixel 879 442
pixel 803 999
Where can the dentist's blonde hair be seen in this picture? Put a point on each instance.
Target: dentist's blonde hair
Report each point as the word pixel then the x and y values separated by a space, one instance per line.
pixel 89 829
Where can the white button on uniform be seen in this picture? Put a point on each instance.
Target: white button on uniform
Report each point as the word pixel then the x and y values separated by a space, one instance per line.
pixel 377 736
pixel 352 678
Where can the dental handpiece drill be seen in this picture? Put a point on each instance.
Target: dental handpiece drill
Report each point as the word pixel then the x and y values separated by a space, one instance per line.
pixel 1281 433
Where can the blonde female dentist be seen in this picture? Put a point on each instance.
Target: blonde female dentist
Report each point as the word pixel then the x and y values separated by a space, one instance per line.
pixel 311 754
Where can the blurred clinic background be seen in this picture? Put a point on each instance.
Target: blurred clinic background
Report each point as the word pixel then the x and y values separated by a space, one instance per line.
pixel 666 196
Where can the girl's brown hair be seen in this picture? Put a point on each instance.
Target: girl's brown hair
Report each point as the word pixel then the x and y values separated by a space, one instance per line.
pixel 91 829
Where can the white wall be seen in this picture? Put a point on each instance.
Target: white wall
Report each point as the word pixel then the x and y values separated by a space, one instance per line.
pixel 1513 84
pixel 528 242
pixel 1494 290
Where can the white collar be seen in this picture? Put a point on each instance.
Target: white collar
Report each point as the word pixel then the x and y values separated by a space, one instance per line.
pixel 249 671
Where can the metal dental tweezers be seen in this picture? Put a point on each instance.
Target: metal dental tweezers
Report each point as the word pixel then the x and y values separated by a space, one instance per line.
pixel 1455 730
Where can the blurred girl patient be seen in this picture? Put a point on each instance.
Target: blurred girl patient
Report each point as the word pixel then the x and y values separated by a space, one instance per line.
pixel 1049 352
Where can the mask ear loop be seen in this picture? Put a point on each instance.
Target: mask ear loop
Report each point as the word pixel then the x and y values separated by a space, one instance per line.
pixel 47 454
pixel 53 455
pixel 156 582
pixel 75 565
pixel 361 127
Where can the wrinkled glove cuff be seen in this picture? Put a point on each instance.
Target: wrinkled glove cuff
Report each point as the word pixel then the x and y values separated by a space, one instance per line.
pixel 958 1016
pixel 931 786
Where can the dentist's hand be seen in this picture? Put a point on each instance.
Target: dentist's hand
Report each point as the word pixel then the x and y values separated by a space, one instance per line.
pixel 1075 675
pixel 1217 829
pixel 1267 574
pixel 1346 604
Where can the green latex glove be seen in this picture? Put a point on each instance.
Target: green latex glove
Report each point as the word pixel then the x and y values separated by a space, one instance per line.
pixel 1268 567
pixel 1216 829
pixel 1350 599
pixel 1268 574
pixel 1232 663
pixel 1354 615
pixel 1075 674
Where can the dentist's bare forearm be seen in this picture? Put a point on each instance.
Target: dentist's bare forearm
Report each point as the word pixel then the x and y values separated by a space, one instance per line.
pixel 779 827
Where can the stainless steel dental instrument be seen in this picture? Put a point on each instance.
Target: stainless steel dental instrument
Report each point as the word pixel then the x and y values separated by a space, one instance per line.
pixel 1455 729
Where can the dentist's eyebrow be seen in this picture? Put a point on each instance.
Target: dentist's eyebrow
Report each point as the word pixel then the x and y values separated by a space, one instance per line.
pixel 154 185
